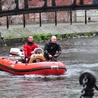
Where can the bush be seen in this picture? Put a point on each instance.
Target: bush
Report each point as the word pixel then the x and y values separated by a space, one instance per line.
pixel 37 37
pixel 44 36
pixel 58 36
pixel 9 37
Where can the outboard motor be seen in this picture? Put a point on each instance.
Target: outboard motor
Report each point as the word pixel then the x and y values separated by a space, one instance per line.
pixel 16 54
pixel 88 81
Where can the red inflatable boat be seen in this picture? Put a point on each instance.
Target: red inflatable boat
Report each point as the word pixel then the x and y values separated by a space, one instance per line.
pixel 38 68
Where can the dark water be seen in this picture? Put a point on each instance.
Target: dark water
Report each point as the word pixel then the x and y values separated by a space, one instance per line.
pixel 79 55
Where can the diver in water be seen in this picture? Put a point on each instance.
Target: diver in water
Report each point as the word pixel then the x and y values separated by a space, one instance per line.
pixel 52 49
pixel 29 46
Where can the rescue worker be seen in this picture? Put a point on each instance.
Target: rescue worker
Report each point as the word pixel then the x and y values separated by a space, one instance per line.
pixel 29 46
pixel 52 49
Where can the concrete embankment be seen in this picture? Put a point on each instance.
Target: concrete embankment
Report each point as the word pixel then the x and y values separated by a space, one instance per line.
pixel 17 33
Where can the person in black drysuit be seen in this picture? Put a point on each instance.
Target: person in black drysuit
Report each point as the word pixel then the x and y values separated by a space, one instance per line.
pixel 52 49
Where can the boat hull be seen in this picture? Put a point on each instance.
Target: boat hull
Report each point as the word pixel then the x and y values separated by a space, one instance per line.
pixel 41 68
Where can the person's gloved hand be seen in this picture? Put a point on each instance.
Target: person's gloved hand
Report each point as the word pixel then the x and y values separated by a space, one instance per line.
pixel 56 55
pixel 32 52
pixel 50 56
pixel 27 59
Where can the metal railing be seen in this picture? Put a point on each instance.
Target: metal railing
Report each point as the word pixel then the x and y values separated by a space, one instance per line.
pixel 44 8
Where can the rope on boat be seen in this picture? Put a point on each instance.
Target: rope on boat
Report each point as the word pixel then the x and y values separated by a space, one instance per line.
pixel 88 81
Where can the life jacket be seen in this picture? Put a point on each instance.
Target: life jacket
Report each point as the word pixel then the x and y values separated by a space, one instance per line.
pixel 37 58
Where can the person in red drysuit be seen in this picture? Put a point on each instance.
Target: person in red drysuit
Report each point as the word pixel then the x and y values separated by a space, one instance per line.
pixel 29 46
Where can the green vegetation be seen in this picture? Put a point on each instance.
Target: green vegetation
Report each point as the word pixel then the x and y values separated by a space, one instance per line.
pixel 40 37
pixel 45 36
pixel 37 37
pixel 8 37
pixel 49 35
pixel 23 37
pixel 66 35
pixel 75 35
pixel 58 36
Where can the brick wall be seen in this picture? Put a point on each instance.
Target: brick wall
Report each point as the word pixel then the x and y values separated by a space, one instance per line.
pixel 85 1
pixel 58 2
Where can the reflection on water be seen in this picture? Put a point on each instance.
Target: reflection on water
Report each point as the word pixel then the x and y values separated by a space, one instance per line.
pixel 78 55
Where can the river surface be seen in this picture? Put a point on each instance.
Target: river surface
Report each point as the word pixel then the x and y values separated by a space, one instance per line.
pixel 79 55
